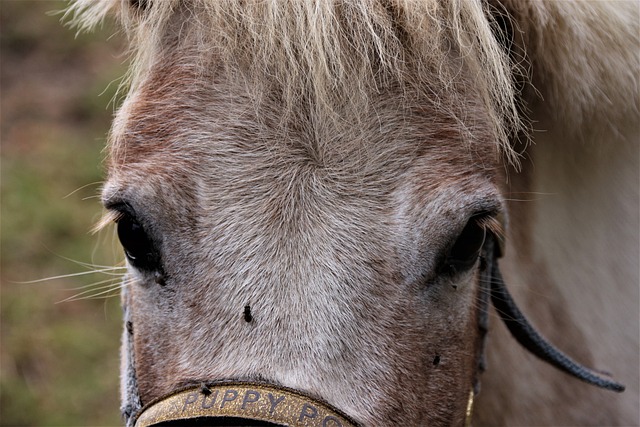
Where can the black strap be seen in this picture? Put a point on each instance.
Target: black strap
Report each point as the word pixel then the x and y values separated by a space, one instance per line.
pixel 524 332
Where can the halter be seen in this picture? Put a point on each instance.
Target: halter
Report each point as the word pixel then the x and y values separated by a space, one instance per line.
pixel 248 403
pixel 231 403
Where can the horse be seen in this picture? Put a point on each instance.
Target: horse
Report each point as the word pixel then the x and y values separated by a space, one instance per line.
pixel 320 201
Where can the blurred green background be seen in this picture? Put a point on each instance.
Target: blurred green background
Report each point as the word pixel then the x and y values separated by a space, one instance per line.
pixel 58 360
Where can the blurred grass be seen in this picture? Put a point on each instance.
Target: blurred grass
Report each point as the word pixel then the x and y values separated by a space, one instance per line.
pixel 58 361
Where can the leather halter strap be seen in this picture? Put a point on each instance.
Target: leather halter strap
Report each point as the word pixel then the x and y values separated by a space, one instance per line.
pixel 253 404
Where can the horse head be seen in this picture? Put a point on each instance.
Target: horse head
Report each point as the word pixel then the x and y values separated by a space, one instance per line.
pixel 312 200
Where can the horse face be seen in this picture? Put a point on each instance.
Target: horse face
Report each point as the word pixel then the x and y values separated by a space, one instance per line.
pixel 341 261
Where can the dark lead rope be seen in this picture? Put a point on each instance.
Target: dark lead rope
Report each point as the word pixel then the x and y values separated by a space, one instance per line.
pixel 530 339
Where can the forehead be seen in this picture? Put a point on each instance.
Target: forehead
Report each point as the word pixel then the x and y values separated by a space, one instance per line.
pixel 180 116
pixel 197 114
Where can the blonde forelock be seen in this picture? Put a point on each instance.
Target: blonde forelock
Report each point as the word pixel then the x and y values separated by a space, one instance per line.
pixel 333 54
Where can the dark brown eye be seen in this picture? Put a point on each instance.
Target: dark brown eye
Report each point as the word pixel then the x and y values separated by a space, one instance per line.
pixel 138 246
pixel 466 250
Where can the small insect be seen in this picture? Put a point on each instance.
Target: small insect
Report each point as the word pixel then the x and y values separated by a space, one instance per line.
pixel 247 313
pixel 204 389
pixel 436 360
pixel 159 279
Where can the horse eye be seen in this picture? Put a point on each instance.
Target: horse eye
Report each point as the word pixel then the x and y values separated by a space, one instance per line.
pixel 137 245
pixel 466 250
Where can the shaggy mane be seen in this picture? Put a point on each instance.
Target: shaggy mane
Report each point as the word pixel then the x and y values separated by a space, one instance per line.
pixel 336 53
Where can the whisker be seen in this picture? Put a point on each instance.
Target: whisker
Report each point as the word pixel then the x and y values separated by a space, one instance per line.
pixel 527 288
pixel 94 285
pixel 509 199
pixel 106 291
pixel 104 294
pixel 537 193
pixel 65 276
pixel 81 188
pixel 90 265
pixel 85 296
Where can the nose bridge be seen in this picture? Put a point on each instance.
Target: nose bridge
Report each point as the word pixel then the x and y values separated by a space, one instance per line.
pixel 277 285
pixel 298 225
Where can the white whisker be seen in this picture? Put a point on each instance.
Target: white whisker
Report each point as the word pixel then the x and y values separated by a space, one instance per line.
pixel 83 187
pixel 65 276
pixel 94 266
pixel 103 294
pixel 94 285
pixel 105 291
